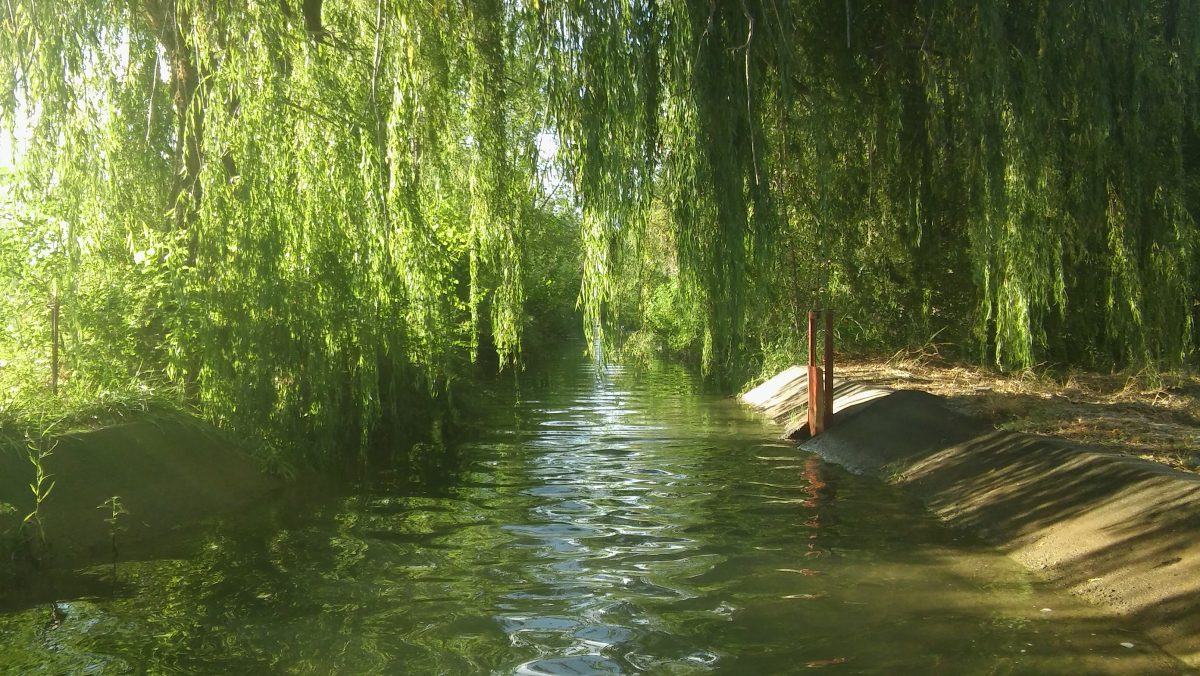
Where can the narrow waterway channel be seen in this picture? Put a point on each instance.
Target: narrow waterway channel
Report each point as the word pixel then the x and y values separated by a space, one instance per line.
pixel 610 521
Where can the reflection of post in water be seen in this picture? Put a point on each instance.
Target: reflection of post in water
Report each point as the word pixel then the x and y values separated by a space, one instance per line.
pixel 820 500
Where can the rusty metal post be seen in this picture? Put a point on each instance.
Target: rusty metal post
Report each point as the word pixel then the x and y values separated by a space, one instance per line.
pixel 827 410
pixel 54 309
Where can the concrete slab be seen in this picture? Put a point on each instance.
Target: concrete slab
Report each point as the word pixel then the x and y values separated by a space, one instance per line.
pixel 784 399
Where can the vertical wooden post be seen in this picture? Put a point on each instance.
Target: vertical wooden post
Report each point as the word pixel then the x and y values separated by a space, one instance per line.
pixel 814 378
pixel 820 381
pixel 827 409
pixel 812 338
pixel 54 345
pixel 816 402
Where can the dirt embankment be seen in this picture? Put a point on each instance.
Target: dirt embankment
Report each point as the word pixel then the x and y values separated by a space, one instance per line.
pixel 167 471
pixel 1114 529
pixel 1150 416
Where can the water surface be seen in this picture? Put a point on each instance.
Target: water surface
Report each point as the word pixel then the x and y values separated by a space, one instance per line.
pixel 607 521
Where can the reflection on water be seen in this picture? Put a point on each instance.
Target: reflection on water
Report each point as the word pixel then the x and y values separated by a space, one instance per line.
pixel 611 522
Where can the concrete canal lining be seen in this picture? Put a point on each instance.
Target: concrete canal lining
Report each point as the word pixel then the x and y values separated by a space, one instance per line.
pixel 1118 531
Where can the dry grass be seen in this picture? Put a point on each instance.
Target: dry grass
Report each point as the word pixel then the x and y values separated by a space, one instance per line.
pixel 1153 416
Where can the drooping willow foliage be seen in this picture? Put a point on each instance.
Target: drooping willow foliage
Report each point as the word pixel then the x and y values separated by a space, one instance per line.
pixel 293 211
pixel 296 209
pixel 1017 178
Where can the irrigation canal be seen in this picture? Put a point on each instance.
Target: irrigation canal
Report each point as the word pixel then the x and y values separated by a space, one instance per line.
pixel 610 521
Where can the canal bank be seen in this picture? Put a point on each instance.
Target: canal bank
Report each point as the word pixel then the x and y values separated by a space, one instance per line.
pixel 1115 530
pixel 124 483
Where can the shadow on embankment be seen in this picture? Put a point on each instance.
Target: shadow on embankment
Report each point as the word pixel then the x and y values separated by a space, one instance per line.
pixel 166 471
pixel 1116 530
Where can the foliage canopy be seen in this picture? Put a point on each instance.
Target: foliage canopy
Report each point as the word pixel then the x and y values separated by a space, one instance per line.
pixel 295 210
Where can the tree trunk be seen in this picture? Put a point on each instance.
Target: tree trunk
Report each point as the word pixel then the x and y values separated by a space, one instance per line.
pixel 171 27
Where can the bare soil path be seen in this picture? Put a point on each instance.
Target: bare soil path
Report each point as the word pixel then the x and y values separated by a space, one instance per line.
pixel 1154 417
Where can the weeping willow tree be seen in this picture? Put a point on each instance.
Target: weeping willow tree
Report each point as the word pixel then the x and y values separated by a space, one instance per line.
pixel 1017 178
pixel 301 213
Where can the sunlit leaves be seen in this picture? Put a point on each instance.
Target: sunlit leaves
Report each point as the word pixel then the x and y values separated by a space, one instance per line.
pixel 297 218
pixel 286 215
